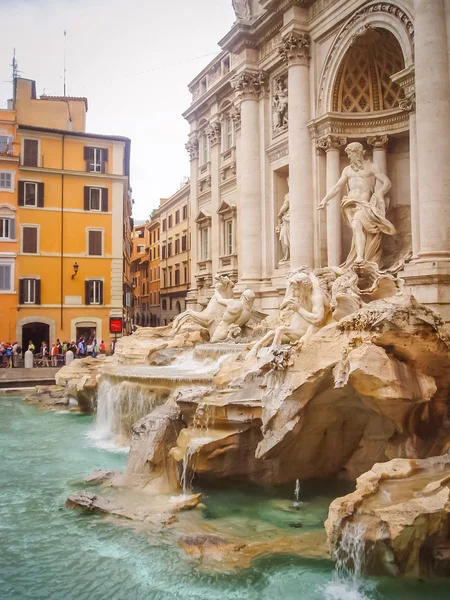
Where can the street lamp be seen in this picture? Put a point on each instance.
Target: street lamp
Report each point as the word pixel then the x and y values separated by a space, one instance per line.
pixel 76 266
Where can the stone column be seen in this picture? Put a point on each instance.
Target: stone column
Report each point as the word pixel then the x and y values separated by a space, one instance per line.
pixel 193 148
pixel 294 50
pixel 213 132
pixel 332 145
pixel 433 128
pixel 248 86
pixel 379 143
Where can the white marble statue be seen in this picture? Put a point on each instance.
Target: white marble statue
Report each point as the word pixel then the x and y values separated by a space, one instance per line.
pixel 242 9
pixel 283 228
pixel 212 314
pixel 237 313
pixel 363 208
pixel 280 105
pixel 306 297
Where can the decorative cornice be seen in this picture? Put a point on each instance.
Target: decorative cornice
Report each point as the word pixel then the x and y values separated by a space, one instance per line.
pixel 213 132
pixel 331 142
pixel 295 48
pixel 378 141
pixel 408 103
pixel 249 85
pixel 407 81
pixel 359 125
pixel 192 148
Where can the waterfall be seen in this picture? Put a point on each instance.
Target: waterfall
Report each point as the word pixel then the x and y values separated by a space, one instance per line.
pixel 347 582
pixel 296 504
pixel 120 404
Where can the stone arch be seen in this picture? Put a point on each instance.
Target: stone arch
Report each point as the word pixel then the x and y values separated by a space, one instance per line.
pixel 38 319
pixel 393 18
pixel 95 321
pixel 363 82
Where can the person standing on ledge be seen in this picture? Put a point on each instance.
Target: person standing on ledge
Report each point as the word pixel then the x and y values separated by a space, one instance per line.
pixel 363 208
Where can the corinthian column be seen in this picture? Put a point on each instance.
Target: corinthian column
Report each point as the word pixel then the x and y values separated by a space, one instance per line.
pixel 379 143
pixel 332 145
pixel 192 148
pixel 295 51
pixel 433 128
pixel 248 86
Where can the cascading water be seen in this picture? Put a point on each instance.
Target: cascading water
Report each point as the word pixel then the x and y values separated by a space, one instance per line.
pixel 347 582
pixel 120 404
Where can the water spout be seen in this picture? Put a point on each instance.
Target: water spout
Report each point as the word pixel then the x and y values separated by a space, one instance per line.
pixel 296 504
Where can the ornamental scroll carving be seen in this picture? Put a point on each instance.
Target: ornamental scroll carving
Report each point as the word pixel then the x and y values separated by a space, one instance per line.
pixel 213 132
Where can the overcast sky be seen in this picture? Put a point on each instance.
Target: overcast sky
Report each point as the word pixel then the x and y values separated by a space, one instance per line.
pixel 132 60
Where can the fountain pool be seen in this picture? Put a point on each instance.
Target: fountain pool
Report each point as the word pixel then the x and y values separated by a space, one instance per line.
pixel 53 553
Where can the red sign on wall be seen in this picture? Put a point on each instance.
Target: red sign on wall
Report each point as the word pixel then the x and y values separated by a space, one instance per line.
pixel 115 325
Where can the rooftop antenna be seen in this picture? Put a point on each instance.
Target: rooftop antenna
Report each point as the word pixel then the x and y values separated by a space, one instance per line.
pixel 15 73
pixel 65 70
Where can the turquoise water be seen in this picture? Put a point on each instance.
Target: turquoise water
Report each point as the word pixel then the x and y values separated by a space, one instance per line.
pixel 52 553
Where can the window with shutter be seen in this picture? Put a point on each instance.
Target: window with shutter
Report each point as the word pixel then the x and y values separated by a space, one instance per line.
pixel 95 239
pixel 184 212
pixel 30 153
pixel 5 278
pixel 183 243
pixel 177 246
pixel 170 221
pixel 95 198
pixel 177 217
pixel 96 159
pixel 29 240
pixel 177 277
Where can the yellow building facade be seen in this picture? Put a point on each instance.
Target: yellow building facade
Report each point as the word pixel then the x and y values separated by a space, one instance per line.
pixel 73 211
pixel 174 216
pixel 9 225
pixel 153 227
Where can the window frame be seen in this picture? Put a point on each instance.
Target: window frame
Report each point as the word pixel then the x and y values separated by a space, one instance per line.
pixel 33 139
pixel 100 192
pixel 204 237
pixel 27 289
pixel 6 220
pixel 228 237
pixel 36 193
pixel 11 179
pixel 95 291
pixel 96 163
pixel 8 262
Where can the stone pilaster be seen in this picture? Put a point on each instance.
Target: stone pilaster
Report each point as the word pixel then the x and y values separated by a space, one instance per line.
pixel 295 50
pixel 248 87
pixel 428 276
pixel 332 145
pixel 214 132
pixel 192 147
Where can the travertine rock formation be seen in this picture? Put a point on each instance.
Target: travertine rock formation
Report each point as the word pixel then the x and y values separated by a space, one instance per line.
pixel 401 511
pixel 80 380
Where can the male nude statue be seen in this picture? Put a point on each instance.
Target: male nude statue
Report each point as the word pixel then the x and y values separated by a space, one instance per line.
pixel 363 208
pixel 238 312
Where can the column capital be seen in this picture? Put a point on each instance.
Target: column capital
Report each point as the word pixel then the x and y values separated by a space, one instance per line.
pixel 295 48
pixel 249 85
pixel 379 142
pixel 331 142
pixel 213 132
pixel 192 147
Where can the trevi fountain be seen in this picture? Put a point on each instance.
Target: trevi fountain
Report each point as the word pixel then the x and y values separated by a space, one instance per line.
pixel 243 455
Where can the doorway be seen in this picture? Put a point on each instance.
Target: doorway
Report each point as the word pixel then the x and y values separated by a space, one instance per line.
pixel 37 333
pixel 86 332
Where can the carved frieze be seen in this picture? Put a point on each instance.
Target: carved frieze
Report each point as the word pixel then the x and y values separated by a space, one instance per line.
pixel 295 48
pixel 235 114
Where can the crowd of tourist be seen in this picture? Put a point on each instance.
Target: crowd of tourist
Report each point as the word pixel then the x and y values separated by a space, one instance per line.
pixel 11 355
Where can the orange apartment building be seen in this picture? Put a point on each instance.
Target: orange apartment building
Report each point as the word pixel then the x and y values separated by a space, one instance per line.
pixel 70 194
